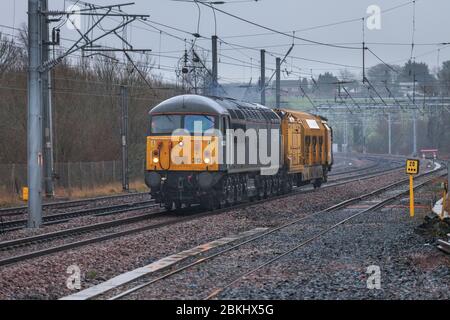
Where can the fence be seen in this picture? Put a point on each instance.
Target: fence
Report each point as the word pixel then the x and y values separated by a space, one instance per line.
pixel 71 175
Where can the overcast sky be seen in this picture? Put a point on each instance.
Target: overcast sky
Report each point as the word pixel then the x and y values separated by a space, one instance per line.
pixel 432 27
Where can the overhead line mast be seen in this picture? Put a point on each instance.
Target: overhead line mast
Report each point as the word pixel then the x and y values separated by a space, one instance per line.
pixel 263 77
pixel 214 65
pixel 39 65
pixel 34 127
pixel 47 105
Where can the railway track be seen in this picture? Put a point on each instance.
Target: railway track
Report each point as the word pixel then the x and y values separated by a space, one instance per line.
pixel 383 195
pixel 344 167
pixel 50 219
pixel 13 225
pixel 22 210
pixel 444 245
pixel 152 217
pixel 15 211
pixel 365 171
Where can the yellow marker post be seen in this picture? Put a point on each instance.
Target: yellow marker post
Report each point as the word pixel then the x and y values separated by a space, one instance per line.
pixel 25 193
pixel 412 168
pixel 411 196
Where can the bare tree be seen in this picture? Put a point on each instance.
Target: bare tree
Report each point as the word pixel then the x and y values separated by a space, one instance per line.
pixel 8 54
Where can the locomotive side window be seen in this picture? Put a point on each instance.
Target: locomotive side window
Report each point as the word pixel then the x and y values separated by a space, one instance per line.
pixel 165 124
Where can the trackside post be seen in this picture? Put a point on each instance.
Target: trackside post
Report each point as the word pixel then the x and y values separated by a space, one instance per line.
pixel 412 168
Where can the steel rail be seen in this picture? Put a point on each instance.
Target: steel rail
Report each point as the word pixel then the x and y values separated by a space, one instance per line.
pixel 13 225
pixel 11 211
pixel 8 245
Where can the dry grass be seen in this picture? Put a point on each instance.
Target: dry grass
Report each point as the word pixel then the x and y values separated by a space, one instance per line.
pixel 105 190
pixel 9 199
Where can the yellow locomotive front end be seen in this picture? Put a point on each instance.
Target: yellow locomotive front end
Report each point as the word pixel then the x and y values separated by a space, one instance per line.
pixel 182 154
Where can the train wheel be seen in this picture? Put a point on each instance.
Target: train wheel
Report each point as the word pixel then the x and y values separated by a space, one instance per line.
pixel 222 199
pixel 209 203
pixel 268 192
pixel 239 193
pixel 277 186
pixel 317 183
pixel 230 193
pixel 259 189
pixel 244 191
pixel 168 206
pixel 266 188
pixel 290 184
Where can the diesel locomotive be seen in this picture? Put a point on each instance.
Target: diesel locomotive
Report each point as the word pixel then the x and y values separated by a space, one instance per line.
pixel 217 151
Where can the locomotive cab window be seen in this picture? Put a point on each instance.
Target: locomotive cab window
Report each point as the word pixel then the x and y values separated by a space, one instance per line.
pixel 165 124
pixel 168 123
pixel 199 123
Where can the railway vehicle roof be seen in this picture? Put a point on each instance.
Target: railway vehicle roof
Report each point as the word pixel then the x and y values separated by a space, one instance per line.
pixel 191 103
pixel 301 114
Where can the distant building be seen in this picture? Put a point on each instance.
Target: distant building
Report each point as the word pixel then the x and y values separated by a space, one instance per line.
pixel 290 87
pixel 407 88
pixel 242 91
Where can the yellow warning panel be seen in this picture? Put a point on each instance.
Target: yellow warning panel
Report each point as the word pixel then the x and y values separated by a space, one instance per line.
pixel 412 166
pixel 25 192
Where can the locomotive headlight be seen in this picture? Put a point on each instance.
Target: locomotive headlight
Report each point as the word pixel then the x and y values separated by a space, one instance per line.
pixel 155 160
pixel 207 160
pixel 181 143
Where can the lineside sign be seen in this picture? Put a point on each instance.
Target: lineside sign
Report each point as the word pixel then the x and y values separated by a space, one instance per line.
pixel 412 166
